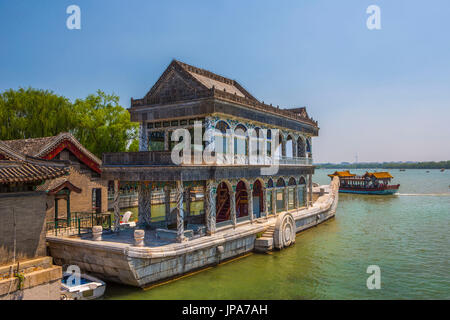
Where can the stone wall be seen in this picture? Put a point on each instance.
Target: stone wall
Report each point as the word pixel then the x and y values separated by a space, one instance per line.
pixel 41 280
pixel 27 209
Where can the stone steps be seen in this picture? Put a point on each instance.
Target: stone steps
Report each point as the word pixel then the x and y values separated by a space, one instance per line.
pixel 265 242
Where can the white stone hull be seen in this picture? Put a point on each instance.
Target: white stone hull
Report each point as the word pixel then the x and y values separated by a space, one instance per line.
pixel 141 266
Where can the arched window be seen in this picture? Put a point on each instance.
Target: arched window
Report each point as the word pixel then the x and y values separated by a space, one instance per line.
pixel 308 145
pixel 258 199
pixel 223 207
pixel 302 192
pixel 241 200
pixel 221 137
pixel 240 140
pixel 281 183
pixel 292 182
pixel 290 147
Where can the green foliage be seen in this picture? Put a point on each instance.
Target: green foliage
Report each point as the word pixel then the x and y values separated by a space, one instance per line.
pixel 388 165
pixel 134 145
pixel 98 121
pixel 33 113
pixel 21 278
pixel 102 124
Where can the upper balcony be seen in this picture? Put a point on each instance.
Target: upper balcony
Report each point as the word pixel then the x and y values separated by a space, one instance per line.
pixel 165 158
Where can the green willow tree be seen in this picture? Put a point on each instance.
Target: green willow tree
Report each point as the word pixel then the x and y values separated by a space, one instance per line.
pixel 98 121
pixel 102 124
pixel 33 113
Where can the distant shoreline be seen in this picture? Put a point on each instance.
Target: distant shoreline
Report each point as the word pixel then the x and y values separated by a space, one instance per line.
pixel 387 165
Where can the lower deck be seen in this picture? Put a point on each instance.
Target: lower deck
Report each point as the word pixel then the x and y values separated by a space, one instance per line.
pixel 124 258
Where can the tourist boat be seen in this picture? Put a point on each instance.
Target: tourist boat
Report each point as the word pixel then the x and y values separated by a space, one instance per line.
pixel 442 170
pixel 402 170
pixel 369 183
pixel 89 288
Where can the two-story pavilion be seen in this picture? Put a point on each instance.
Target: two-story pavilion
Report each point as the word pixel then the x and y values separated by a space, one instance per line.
pixel 201 197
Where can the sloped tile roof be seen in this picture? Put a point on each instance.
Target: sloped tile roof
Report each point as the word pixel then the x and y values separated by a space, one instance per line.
pixel 39 147
pixel 16 167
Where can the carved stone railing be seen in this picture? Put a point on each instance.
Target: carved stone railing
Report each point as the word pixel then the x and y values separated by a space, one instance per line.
pixel 154 158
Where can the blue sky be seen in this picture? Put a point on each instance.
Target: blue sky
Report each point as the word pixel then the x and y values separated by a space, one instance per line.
pixel 382 94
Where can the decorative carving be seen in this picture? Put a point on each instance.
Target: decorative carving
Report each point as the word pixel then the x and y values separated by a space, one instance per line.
pixel 116 206
pixel 210 196
pixel 233 205
pixel 284 234
pixel 180 212
pixel 144 205
pixel 143 137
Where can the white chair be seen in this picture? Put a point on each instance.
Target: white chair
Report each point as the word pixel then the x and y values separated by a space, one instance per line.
pixel 126 216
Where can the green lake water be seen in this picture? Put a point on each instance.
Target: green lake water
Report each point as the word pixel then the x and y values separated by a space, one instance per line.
pixel 406 235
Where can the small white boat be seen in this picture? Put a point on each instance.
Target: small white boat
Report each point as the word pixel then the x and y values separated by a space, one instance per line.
pixel 87 288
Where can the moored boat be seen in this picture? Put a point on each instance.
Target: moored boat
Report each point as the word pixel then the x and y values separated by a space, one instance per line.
pixel 369 183
pixel 86 288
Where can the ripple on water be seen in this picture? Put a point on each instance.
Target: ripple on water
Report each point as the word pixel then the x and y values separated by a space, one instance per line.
pixel 407 236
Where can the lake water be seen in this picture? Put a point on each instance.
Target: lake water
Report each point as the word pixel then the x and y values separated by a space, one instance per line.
pixel 406 235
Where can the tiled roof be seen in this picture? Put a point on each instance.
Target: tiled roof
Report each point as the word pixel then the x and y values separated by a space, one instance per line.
pixel 21 168
pixel 57 184
pixel 210 80
pixel 30 147
pixel 380 175
pixel 342 174
pixel 39 147
pixel 214 85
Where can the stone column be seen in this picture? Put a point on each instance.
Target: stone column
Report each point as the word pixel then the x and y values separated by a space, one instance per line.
pixel 210 207
pixel 250 204
pixel 143 137
pixel 166 140
pixel 144 205
pixel 167 203
pixel 180 213
pixel 233 207
pixel 116 206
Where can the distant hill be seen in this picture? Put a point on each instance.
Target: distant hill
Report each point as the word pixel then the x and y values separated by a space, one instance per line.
pixel 386 165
